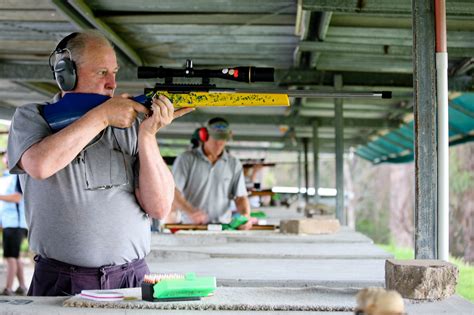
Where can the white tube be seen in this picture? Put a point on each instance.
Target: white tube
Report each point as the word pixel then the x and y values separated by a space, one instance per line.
pixel 443 155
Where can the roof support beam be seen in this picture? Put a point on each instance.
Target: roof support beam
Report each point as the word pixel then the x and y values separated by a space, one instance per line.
pixel 6 111
pixel 42 73
pixel 463 67
pixel 276 7
pixel 297 121
pixel 310 26
pixel 43 88
pixel 66 9
pixel 83 9
pixel 313 77
pixel 326 142
pixel 201 19
pixel 331 47
pixel 321 21
pixel 365 63
pixel 83 17
pixel 455 7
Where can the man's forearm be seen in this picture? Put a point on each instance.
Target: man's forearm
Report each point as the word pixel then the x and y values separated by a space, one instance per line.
pixel 156 184
pixel 56 151
pixel 181 203
pixel 15 198
pixel 243 205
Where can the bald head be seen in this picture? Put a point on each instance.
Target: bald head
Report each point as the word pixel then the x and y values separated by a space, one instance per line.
pixel 95 63
pixel 77 45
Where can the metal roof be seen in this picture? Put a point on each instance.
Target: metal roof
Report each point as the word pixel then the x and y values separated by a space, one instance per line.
pixel 308 42
pixel 397 145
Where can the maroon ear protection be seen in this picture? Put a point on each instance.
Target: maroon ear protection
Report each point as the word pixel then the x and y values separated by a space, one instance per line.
pixel 203 134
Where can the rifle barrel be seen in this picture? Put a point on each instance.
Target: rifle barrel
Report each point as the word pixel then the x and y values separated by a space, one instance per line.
pixel 314 94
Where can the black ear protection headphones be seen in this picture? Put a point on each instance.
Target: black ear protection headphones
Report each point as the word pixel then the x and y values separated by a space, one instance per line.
pixel 64 71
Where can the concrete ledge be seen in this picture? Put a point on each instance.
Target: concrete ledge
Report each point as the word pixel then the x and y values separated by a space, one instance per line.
pixel 354 251
pixel 316 225
pixel 421 279
pixel 311 210
pixel 297 273
pixel 198 238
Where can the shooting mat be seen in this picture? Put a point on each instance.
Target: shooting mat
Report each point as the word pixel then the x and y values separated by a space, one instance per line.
pixel 241 299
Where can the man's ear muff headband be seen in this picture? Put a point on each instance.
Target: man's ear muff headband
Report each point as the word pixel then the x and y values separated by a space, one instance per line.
pixel 64 71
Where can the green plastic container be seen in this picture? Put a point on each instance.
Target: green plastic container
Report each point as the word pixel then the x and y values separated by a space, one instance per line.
pixel 235 223
pixel 258 214
pixel 190 286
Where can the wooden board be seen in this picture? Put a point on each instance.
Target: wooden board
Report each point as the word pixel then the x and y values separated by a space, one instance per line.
pixel 176 227
pixel 266 192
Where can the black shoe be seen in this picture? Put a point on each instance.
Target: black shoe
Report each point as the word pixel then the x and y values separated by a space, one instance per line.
pixel 7 291
pixel 21 291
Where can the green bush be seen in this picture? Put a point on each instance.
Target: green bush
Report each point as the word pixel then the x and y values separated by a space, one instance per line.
pixel 376 231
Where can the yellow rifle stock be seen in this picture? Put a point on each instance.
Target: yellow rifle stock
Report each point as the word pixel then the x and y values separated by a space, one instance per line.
pixel 210 99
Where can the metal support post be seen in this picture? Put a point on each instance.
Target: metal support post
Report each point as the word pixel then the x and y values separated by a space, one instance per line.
pixel 306 177
pixel 443 130
pixel 316 160
pixel 425 124
pixel 339 129
pixel 299 178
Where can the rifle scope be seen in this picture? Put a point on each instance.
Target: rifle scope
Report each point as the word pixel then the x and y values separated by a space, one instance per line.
pixel 241 74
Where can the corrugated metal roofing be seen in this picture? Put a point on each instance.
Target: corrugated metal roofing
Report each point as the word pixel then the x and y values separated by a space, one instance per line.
pixel 309 42
pixel 397 145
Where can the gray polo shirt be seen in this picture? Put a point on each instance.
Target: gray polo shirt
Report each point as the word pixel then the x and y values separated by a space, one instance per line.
pixel 209 187
pixel 86 214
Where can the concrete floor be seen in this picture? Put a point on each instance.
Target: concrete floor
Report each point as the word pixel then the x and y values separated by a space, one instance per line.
pixel 257 267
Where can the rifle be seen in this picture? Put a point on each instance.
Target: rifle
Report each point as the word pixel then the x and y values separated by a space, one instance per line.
pixel 74 105
pixel 254 162
pixel 207 94
pixel 261 164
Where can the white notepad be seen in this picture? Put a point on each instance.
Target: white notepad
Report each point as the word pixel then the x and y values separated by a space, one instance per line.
pixel 101 295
